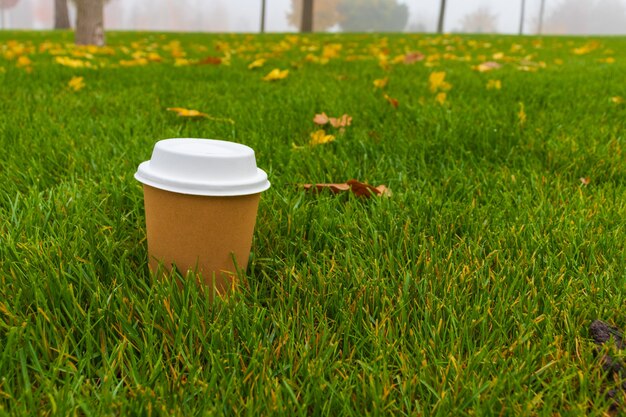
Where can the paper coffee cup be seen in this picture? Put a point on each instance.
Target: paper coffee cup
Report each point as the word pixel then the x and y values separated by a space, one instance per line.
pixel 201 198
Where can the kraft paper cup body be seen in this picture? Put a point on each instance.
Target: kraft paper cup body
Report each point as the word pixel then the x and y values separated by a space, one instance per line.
pixel 201 198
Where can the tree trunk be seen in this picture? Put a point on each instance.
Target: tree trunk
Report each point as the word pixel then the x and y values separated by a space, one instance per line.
pixel 442 14
pixel 307 16
pixel 89 22
pixel 541 11
pixel 61 15
pixel 262 16
pixel 521 18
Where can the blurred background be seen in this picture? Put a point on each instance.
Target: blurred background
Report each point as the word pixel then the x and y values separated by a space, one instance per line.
pixel 473 16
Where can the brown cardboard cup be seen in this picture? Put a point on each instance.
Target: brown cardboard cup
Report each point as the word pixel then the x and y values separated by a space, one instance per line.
pixel 201 198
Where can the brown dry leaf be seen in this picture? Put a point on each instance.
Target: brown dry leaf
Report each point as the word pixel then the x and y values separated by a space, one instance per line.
pixel 210 60
pixel 487 66
pixel 394 102
pixel 321 119
pixel 358 188
pixel 342 121
pixel 413 57
pixel 585 180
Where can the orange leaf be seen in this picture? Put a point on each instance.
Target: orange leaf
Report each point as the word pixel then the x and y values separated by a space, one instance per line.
pixel 392 101
pixel 585 180
pixel 343 121
pixel 320 119
pixel 487 66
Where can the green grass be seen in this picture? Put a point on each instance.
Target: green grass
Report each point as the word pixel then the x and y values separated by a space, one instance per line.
pixel 468 292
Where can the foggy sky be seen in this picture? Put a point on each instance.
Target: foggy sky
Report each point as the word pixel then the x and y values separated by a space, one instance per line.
pixel 244 15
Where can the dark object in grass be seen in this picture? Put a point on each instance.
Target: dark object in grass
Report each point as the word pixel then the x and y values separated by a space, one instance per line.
pixel 358 188
pixel 602 333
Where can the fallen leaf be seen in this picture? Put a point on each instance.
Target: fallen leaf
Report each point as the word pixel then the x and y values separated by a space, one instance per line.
pixel 521 114
pixel 181 62
pixel 494 85
pixel 134 62
pixel 436 80
pixel 343 121
pixel 585 180
pixel 257 63
pixel 73 63
pixel 320 119
pixel 618 100
pixel 276 74
pixel 210 60
pixel 77 83
pixel 23 61
pixel 182 112
pixel 358 188
pixel 394 102
pixel 412 57
pixel 487 66
pixel 381 83
pixel 319 137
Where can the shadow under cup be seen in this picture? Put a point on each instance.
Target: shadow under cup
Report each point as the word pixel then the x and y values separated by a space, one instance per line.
pixel 207 235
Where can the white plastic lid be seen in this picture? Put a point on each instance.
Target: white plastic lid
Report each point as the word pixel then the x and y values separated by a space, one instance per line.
pixel 203 167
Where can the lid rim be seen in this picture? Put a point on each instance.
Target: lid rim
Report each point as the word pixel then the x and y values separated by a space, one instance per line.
pixel 258 184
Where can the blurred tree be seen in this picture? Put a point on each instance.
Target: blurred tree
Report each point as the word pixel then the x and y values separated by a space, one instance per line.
pixel 61 15
pixel 372 15
pixel 262 16
pixel 325 14
pixel 479 21
pixel 542 9
pixel 89 22
pixel 442 15
pixel 602 17
pixel 306 24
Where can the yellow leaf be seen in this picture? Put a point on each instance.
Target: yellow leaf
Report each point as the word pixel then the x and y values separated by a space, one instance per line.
pixel 437 81
pixel 187 112
pixel 494 85
pixel 382 82
pixel 331 50
pixel 618 100
pixel 77 83
pixel 257 63
pixel 276 74
pixel 23 61
pixel 181 62
pixel 521 114
pixel 134 62
pixel 320 137
pixel 73 63
pixel 441 98
pixel 608 60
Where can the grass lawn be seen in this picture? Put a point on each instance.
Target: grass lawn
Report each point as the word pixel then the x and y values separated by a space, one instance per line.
pixel 468 291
